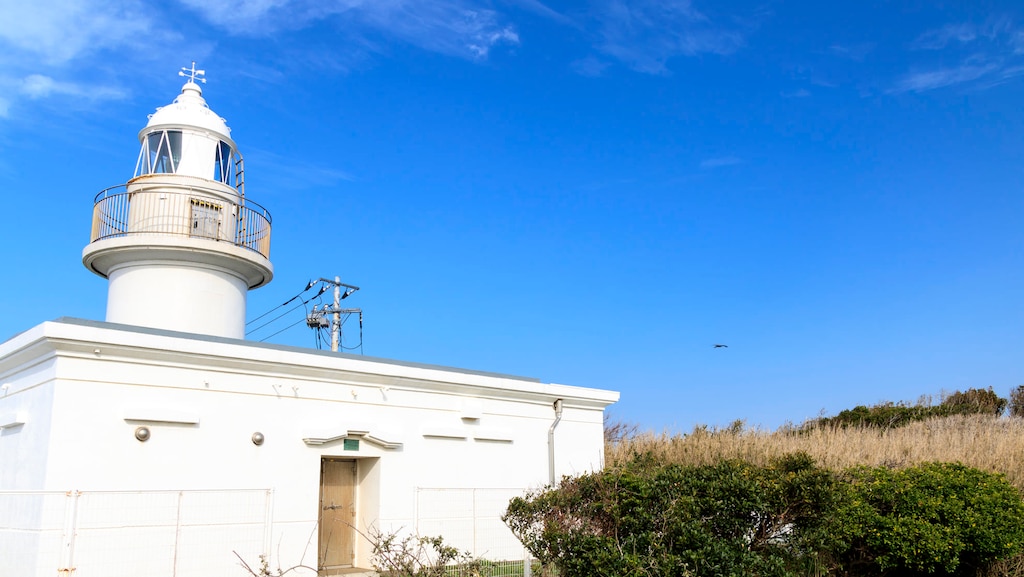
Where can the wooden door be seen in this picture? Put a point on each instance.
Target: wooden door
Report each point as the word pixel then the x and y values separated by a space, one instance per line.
pixel 337 514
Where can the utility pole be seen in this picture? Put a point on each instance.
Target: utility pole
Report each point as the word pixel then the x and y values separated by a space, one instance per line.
pixel 336 310
pixel 336 322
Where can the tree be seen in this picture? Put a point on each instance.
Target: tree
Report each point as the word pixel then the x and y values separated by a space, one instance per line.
pixel 1017 401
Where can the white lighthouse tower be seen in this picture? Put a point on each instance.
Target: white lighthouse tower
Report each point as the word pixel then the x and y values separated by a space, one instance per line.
pixel 180 243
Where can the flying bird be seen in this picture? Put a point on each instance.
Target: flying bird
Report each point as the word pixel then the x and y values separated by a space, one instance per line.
pixel 721 346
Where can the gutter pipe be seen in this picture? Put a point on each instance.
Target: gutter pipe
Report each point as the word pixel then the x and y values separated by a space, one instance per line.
pixel 551 442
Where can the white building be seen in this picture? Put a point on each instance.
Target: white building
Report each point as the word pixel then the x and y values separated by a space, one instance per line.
pixel 158 443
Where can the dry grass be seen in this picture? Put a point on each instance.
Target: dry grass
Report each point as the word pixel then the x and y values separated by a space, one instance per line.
pixel 985 442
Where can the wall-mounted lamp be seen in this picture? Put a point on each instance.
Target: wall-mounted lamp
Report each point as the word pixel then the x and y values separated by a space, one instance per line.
pixel 257 438
pixel 142 434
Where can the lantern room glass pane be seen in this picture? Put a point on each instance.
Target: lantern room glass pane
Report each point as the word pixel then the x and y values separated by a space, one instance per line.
pixel 157 163
pixel 174 139
pixel 222 168
pixel 142 166
pixel 164 151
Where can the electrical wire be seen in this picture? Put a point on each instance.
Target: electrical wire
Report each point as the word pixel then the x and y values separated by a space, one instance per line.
pixel 308 286
pixel 282 330
pixel 274 319
pixel 360 344
pixel 303 304
pixel 322 335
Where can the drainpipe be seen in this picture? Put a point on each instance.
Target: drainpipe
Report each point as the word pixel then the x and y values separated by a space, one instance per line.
pixel 551 442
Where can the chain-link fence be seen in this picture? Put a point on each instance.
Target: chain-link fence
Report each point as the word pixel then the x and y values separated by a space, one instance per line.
pixel 132 533
pixel 470 519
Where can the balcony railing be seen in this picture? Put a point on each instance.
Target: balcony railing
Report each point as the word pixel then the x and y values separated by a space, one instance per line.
pixel 120 212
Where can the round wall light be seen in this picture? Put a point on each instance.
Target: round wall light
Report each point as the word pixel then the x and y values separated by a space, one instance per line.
pixel 257 438
pixel 142 434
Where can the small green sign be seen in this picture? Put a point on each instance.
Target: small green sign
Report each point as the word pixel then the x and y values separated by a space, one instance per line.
pixel 351 444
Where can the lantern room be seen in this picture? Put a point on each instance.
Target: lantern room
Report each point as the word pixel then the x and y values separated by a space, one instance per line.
pixel 179 242
pixel 187 138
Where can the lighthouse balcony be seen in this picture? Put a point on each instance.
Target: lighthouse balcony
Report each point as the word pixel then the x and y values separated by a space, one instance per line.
pixel 129 210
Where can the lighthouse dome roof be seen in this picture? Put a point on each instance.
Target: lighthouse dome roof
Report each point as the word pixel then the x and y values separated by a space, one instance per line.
pixel 189 110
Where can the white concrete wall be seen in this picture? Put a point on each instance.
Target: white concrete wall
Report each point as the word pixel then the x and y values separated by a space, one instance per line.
pixel 457 429
pixel 24 449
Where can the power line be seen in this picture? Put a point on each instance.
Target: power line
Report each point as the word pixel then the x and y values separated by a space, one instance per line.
pixel 282 330
pixel 308 286
pixel 302 304
pixel 274 319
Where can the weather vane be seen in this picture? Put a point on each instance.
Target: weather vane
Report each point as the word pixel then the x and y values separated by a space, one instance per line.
pixel 193 74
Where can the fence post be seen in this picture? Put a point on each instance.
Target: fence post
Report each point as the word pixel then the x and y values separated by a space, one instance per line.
pixel 268 524
pixel 67 561
pixel 177 533
pixel 416 511
pixel 476 551
pixel 527 563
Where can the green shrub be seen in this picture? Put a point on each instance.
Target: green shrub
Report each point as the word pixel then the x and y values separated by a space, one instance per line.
pixel 646 518
pixel 888 414
pixel 931 519
pixel 418 556
pixel 882 415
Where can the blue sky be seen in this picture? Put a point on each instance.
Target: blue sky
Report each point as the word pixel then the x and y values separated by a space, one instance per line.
pixel 591 193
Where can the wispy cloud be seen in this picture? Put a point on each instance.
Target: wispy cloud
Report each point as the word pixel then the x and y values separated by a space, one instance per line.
pixel 57 31
pixel 645 34
pixel 798 93
pixel 1017 42
pixel 287 173
pixel 932 79
pixel 720 161
pixel 39 86
pixel 855 52
pixel 453 27
pixel 938 39
pixel 1012 71
pixel 589 66
pixel 968 54
pixel 544 10
pixel 43 45
pixel 54 49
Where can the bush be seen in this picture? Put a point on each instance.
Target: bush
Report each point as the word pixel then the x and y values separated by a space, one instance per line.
pixel 1017 401
pixel 616 431
pixel 888 414
pixel 647 518
pixel 882 416
pixel 417 556
pixel 974 402
pixel 935 518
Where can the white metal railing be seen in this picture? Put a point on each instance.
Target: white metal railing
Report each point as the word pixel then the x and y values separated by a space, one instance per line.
pixel 119 211
pixel 132 533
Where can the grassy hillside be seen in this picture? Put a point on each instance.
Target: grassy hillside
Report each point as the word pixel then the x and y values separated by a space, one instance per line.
pixel 987 442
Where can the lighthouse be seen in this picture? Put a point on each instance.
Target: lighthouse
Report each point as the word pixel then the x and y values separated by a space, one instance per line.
pixel 179 243
pixel 160 443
